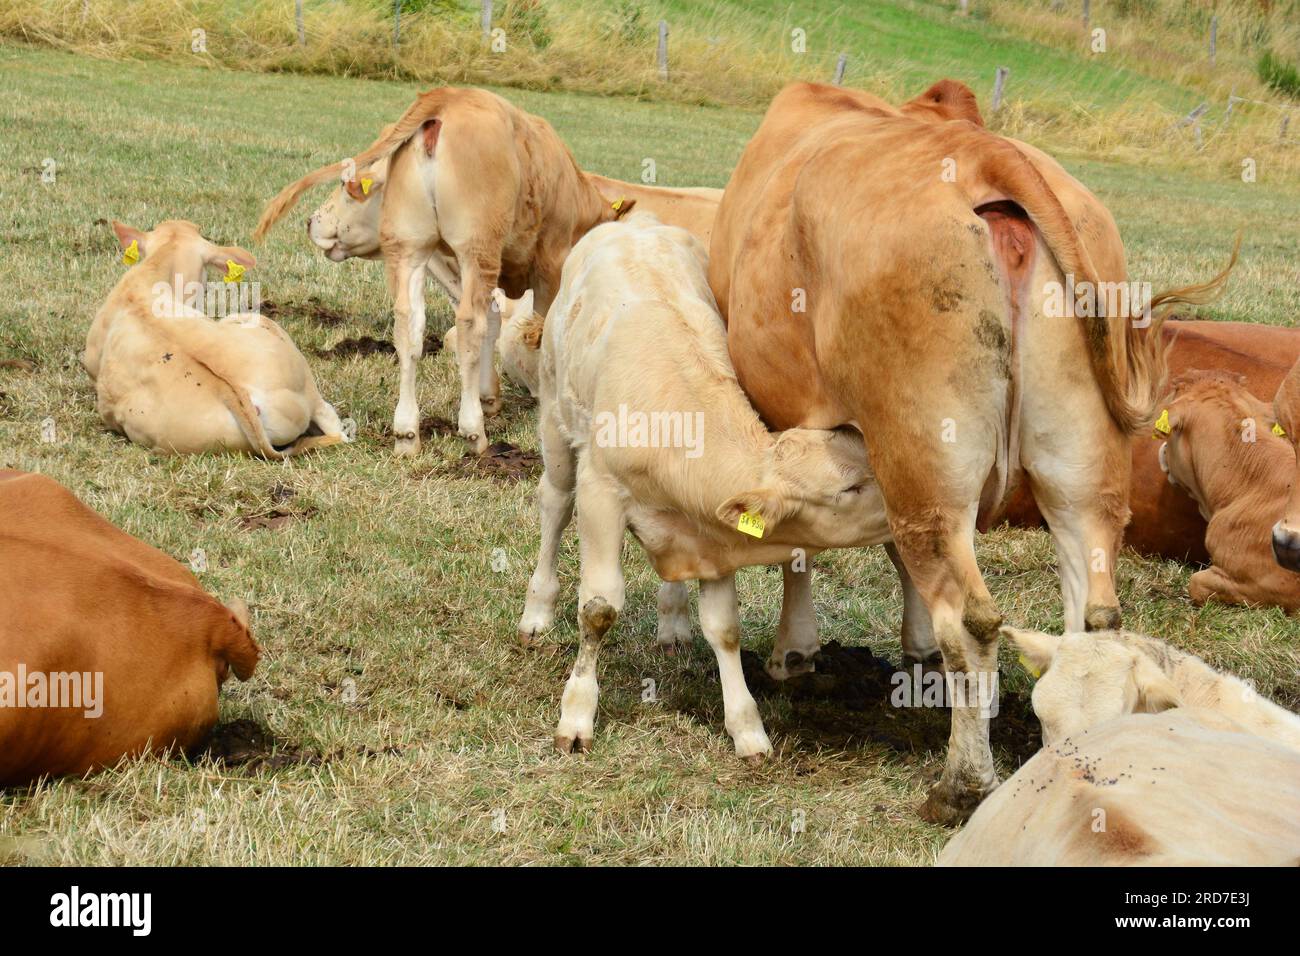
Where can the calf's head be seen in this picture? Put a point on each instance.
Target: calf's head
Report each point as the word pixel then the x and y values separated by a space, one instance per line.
pixel 1086 679
pixel 819 482
pixel 346 226
pixel 1286 533
pixel 175 248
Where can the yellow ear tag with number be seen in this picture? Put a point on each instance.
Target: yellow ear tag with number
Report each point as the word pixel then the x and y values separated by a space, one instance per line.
pixel 1162 426
pixel 616 205
pixel 751 524
pixel 1034 672
pixel 234 271
pixel 365 186
pixel 132 254
pixel 1278 430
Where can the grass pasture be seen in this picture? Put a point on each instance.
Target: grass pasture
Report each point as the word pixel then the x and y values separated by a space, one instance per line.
pixel 394 719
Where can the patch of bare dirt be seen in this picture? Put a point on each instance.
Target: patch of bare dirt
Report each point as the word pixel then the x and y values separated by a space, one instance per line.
pixel 503 462
pixel 369 345
pixel 275 518
pixel 17 365
pixel 313 310
pixel 249 745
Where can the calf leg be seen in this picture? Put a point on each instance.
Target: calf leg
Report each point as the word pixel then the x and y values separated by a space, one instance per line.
pixel 919 645
pixel 720 621
pixel 796 636
pixel 489 384
pixel 600 599
pixel 674 616
pixel 406 283
pixel 471 330
pixel 555 509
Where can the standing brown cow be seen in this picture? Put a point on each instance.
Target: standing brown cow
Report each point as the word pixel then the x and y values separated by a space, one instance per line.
pixel 886 269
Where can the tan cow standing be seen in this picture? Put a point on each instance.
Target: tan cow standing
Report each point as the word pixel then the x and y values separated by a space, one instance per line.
pixel 176 382
pixel 137 650
pixel 662 442
pixel 1286 533
pixel 1123 779
pixel 886 269
pixel 1221 449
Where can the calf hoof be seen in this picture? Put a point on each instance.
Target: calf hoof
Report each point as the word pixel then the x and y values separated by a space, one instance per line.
pixel 948 806
pixel 477 443
pixel 753 748
pixel 930 664
pixel 572 745
pixel 793 665
pixel 406 444
pixel 491 406
pixel 1097 618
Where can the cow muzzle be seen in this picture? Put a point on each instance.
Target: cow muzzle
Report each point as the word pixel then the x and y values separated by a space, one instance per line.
pixel 1286 546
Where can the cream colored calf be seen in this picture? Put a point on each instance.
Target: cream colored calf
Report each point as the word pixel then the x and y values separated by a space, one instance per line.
pixel 518 338
pixel 177 382
pixel 642 420
pixel 1150 757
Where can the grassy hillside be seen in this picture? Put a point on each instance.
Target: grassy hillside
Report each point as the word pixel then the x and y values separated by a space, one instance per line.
pixel 377 575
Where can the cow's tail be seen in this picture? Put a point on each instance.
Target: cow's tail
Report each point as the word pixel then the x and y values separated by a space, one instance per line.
pixel 426 108
pixel 1127 357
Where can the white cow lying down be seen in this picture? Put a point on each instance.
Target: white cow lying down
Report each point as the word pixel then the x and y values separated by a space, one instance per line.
pixel 641 416
pixel 1150 758
pixel 175 381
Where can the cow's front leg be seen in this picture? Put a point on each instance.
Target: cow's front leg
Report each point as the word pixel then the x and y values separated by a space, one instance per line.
pixel 674 607
pixel 555 508
pixel 471 329
pixel 406 282
pixel 919 644
pixel 796 636
pixel 600 599
pixel 720 621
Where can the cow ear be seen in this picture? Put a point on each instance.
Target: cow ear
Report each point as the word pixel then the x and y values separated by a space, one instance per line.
pixel 622 207
pixel 218 255
pixel 526 302
pixel 127 235
pixel 1036 648
pixel 759 510
pixel 1156 692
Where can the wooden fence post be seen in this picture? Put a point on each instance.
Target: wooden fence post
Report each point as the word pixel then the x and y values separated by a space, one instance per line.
pixel 999 85
pixel 487 18
pixel 662 54
pixel 1087 13
pixel 840 64
pixel 397 23
pixel 302 29
pixel 1281 133
pixel 1214 38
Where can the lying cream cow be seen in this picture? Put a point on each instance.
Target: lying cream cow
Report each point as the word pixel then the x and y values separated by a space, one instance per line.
pixel 642 418
pixel 174 381
pixel 1123 779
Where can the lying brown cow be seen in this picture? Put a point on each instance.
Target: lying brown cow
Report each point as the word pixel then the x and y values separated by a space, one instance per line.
pixel 108 647
pixel 1286 533
pixel 889 269
pixel 1166 523
pixel 1221 448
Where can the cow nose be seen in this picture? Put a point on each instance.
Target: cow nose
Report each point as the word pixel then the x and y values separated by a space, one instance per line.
pixel 1286 547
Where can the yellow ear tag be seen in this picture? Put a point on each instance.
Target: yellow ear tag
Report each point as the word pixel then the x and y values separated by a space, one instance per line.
pixel 751 524
pixel 1162 427
pixel 365 186
pixel 1034 672
pixel 616 205
pixel 132 254
pixel 234 271
pixel 1278 430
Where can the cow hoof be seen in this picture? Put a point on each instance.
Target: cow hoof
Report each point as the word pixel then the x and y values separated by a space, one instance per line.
pixel 948 807
pixel 1098 618
pixel 572 745
pixel 491 407
pixel 793 665
pixel 406 445
pixel 931 664
pixel 477 443
pixel 756 760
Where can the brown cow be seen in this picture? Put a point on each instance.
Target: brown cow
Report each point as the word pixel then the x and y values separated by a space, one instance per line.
pixel 1286 533
pixel 480 194
pixel 1166 523
pixel 1222 449
pixel 108 647
pixel 887 269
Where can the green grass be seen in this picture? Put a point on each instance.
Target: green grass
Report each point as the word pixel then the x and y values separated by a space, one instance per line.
pixel 386 577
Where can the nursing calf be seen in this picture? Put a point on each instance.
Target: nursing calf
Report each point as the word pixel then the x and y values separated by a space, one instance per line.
pixel 1124 779
pixel 1286 533
pixel 643 423
pixel 174 381
pixel 1222 450
pixel 108 647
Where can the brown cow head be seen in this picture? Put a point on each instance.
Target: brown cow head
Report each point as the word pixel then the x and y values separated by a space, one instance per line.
pixel 346 226
pixel 1286 533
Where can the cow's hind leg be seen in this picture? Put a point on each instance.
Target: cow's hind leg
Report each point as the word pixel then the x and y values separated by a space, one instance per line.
pixel 674 626
pixel 471 331
pixel 919 645
pixel 489 383
pixel 601 523
pixel 406 282
pixel 796 642
pixel 720 621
